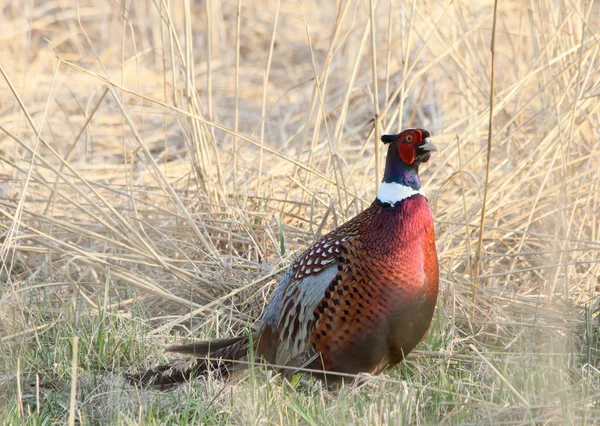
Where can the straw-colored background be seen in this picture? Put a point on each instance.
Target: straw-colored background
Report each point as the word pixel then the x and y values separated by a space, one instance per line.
pixel 161 158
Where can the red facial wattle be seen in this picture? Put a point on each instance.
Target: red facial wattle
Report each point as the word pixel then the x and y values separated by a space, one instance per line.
pixel 407 152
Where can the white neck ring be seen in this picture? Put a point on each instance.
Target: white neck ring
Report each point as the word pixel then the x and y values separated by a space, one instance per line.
pixel 392 192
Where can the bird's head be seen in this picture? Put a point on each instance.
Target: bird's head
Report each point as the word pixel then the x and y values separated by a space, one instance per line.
pixel 412 146
pixel 406 151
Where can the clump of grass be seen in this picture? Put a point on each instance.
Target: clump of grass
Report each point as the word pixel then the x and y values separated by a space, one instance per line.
pixel 162 164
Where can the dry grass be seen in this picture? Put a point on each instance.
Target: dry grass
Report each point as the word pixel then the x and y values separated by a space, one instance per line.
pixel 162 161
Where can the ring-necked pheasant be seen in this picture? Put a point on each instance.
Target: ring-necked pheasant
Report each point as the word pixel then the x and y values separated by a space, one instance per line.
pixel 360 298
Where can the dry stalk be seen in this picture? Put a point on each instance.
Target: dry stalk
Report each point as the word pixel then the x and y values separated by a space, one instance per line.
pixel 477 261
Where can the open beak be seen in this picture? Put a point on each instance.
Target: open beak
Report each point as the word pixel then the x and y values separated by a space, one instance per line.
pixel 427 146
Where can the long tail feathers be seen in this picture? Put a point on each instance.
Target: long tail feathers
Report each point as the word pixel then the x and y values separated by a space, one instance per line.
pixel 221 353
pixel 205 348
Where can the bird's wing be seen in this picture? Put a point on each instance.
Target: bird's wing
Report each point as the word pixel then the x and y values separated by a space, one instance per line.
pixel 296 320
pixel 289 320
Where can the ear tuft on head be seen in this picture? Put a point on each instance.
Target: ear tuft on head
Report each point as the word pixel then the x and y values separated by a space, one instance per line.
pixel 388 138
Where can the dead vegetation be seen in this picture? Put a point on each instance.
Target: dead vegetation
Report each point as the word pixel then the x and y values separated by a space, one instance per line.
pixel 161 162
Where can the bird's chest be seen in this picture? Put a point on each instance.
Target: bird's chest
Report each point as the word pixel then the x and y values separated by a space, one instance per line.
pixel 398 250
pixel 402 265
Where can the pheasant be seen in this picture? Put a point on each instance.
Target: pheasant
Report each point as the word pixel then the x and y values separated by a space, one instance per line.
pixel 359 299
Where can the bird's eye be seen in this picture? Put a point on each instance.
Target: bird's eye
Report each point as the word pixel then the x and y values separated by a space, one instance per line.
pixel 409 138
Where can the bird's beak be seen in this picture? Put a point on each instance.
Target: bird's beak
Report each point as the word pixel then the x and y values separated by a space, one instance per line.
pixel 427 146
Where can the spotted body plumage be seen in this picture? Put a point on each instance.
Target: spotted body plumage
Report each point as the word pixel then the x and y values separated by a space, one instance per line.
pixel 360 298
pixel 381 276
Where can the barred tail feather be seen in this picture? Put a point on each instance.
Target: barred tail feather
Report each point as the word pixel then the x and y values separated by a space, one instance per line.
pixel 207 347
pixel 221 353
